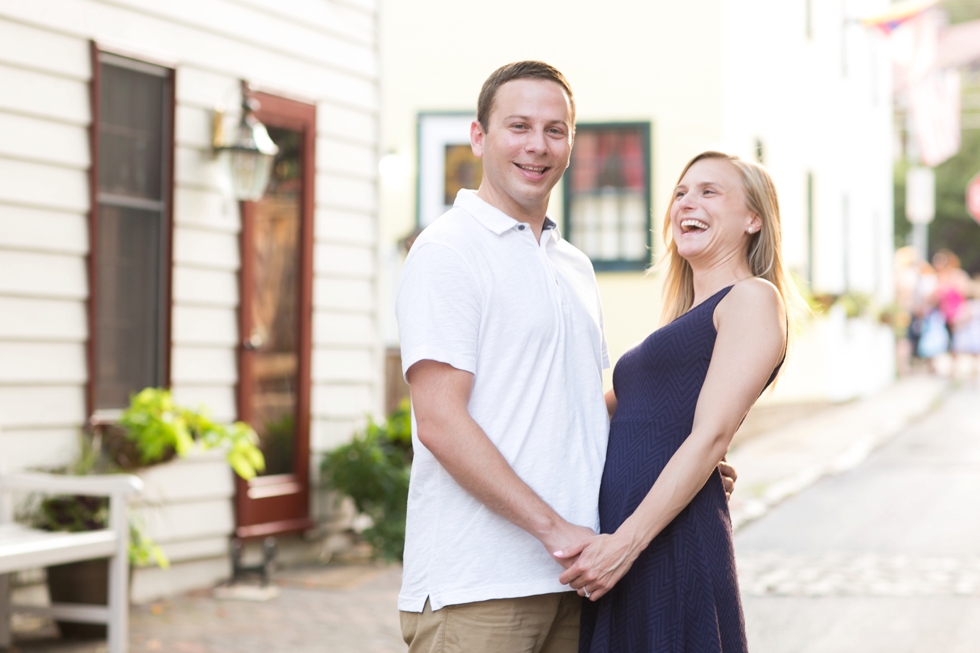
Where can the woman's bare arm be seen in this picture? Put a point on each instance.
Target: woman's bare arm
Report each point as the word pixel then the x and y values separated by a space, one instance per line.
pixel 751 339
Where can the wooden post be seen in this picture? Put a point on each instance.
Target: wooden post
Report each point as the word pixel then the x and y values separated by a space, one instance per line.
pixel 119 576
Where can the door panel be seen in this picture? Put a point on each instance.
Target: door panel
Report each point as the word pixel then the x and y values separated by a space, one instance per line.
pixel 275 325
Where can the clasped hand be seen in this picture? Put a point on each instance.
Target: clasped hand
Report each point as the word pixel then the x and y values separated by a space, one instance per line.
pixel 602 561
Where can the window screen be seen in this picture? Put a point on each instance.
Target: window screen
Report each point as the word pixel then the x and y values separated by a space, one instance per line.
pixel 131 225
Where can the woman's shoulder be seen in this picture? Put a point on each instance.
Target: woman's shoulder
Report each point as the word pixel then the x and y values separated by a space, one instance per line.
pixel 754 297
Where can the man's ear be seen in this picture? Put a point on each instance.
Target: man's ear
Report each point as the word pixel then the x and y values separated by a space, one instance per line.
pixel 476 138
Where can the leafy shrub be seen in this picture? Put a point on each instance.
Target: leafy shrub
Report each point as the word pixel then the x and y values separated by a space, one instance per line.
pixel 373 469
pixel 159 429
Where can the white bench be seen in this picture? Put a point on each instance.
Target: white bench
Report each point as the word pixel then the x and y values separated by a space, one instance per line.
pixel 24 548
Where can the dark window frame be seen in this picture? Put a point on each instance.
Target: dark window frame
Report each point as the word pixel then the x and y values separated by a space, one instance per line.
pixel 99 55
pixel 615 265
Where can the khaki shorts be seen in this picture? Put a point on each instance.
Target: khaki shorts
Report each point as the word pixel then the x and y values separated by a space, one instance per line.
pixel 547 623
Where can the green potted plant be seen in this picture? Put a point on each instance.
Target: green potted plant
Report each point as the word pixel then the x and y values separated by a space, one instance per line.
pixel 373 470
pixel 151 431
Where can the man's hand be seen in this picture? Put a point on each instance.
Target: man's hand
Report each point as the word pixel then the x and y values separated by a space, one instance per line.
pixel 728 477
pixel 566 537
pixel 599 565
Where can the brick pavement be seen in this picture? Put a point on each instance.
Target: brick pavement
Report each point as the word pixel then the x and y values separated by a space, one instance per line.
pixel 336 608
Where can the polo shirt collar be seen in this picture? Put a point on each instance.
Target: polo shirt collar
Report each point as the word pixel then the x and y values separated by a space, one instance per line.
pixel 489 216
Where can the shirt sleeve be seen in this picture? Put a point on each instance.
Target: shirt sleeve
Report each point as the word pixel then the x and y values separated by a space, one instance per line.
pixel 604 349
pixel 438 307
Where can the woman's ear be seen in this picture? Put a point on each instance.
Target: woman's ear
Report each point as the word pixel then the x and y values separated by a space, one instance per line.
pixel 755 224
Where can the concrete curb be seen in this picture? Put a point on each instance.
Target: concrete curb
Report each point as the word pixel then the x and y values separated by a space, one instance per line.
pixel 778 464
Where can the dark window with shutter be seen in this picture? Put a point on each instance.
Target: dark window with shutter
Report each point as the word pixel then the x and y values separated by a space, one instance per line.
pixel 130 249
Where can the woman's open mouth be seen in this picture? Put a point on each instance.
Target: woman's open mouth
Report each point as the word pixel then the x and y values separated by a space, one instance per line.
pixel 690 225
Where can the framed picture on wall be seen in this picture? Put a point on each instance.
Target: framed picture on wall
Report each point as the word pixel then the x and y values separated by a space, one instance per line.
pixel 446 162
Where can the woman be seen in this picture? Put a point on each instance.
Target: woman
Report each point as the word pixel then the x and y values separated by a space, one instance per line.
pixel 677 400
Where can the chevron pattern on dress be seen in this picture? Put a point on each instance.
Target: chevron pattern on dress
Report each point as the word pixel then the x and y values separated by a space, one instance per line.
pixel 681 595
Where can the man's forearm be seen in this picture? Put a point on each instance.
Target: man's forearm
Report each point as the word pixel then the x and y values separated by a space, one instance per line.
pixel 465 451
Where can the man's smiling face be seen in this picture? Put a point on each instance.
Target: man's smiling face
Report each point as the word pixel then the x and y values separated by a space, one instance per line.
pixel 526 146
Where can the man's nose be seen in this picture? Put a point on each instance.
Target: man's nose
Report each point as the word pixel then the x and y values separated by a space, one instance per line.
pixel 535 141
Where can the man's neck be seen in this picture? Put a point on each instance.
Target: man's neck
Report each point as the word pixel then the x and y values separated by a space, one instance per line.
pixel 504 203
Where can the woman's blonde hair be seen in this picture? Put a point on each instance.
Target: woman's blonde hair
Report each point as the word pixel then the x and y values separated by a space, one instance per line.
pixel 765 248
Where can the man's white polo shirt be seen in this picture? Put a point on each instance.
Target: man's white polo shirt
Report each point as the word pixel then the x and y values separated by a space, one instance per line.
pixel 479 293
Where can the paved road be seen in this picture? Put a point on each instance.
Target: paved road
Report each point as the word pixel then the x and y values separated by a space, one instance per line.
pixel 884 557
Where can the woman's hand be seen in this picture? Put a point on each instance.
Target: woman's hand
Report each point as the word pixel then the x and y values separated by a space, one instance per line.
pixel 600 565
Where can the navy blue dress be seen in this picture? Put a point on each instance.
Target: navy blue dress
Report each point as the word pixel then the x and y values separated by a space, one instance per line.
pixel 681 594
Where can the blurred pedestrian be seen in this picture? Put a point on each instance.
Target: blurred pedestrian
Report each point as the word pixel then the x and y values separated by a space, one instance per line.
pixel 949 297
pixel 907 271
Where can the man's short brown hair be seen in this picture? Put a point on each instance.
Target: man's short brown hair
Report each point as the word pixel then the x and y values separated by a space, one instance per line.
pixel 518 70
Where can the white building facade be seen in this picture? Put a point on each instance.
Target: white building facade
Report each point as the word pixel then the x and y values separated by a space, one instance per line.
pixel 125 262
pixel 802 86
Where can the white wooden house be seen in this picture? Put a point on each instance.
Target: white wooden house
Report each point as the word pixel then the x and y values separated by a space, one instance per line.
pixel 125 261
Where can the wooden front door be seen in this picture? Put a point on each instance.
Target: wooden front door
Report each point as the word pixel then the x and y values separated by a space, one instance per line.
pixel 275 323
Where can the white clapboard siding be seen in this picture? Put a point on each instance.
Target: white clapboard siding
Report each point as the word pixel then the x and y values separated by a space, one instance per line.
pixel 152 583
pixel 178 40
pixel 336 191
pixel 204 89
pixel 197 325
pixel 201 476
pixel 209 547
pixel 47 406
pixel 206 249
pixel 200 169
pixel 266 30
pixel 346 123
pixel 35 93
pixel 338 226
pixel 42 275
pixel 44 51
pixel 193 127
pixel 347 158
pixel 30 318
pixel 38 448
pixel 43 231
pixel 356 23
pixel 43 186
pixel 343 400
pixel 341 365
pixel 205 209
pixel 184 521
pixel 42 362
pixel 344 329
pixel 45 141
pixel 203 366
pixel 349 295
pixel 348 261
pixel 199 287
pixel 219 400
pixel 327 434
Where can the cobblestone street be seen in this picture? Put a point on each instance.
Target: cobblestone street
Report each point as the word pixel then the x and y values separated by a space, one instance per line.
pixel 883 557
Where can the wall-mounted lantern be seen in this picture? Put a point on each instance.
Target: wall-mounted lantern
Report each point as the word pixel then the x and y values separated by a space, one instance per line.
pixel 248 154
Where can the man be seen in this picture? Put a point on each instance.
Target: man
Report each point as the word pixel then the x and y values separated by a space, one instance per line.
pixel 503 350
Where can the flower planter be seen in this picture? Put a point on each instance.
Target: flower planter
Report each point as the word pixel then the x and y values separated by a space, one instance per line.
pixel 187 508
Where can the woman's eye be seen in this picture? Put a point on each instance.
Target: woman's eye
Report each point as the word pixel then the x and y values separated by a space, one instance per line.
pixel 679 194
